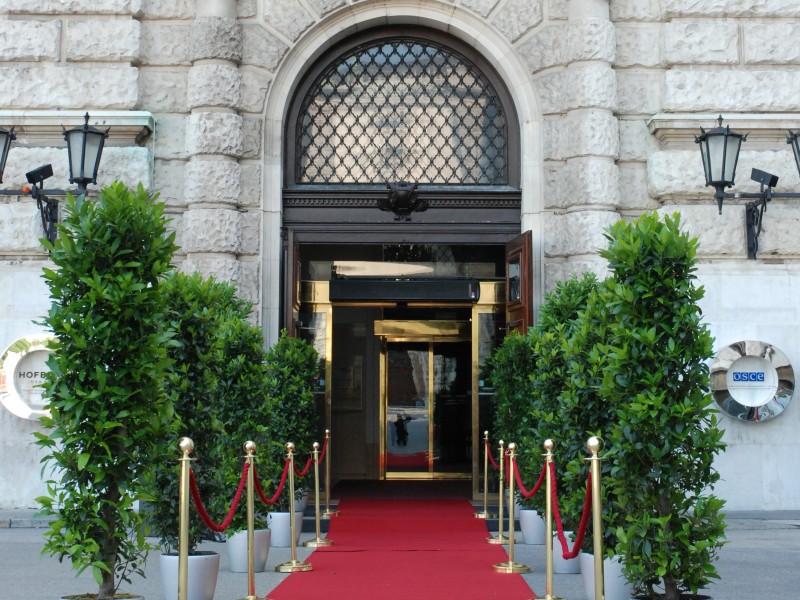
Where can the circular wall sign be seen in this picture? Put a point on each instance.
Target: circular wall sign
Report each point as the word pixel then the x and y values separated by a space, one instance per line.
pixel 22 369
pixel 752 381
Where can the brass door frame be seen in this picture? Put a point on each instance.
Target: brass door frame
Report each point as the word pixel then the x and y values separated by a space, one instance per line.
pixel 315 295
pixel 430 332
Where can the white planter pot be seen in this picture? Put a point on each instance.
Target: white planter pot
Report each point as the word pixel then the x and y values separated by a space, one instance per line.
pixel 614 584
pixel 203 571
pixel 301 503
pixel 560 565
pixel 532 526
pixel 281 532
pixel 237 550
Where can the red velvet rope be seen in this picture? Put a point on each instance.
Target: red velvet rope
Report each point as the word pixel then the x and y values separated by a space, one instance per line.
pixel 201 510
pixel 324 449
pixel 523 492
pixel 260 491
pixel 587 504
pixel 491 458
pixel 304 472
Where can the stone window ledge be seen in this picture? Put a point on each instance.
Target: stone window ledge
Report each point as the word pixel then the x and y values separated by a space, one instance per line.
pixel 765 130
pixel 43 127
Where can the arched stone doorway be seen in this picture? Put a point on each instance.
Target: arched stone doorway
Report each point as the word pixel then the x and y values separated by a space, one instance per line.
pixel 449 124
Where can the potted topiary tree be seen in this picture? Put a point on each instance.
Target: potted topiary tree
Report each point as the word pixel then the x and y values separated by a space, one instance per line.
pixel 586 413
pixel 198 311
pixel 104 388
pixel 240 397
pixel 530 373
pixel 557 322
pixel 292 369
pixel 666 435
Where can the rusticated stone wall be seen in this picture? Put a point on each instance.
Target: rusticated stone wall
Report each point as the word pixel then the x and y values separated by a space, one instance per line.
pixel 610 94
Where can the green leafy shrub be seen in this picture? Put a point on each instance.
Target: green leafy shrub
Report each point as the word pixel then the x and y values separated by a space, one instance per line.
pixel 200 311
pixel 104 388
pixel 245 413
pixel 666 435
pixel 585 413
pixel 292 369
pixel 509 370
pixel 529 373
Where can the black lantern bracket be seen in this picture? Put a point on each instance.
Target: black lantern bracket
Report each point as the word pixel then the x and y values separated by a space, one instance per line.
pixel 719 148
pixel 84 150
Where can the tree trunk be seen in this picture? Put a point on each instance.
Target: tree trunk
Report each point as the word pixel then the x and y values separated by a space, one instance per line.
pixel 671 591
pixel 109 545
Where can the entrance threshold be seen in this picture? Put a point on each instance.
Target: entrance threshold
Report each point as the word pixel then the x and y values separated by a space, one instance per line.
pixel 403 489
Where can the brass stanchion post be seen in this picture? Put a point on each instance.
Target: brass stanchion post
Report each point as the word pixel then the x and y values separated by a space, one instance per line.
pixel 294 565
pixel 500 538
pixel 249 449
pixel 548 532
pixel 317 541
pixel 186 446
pixel 597 518
pixel 328 512
pixel 511 566
pixel 485 514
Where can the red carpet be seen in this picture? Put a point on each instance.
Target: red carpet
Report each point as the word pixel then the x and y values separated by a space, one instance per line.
pixel 397 549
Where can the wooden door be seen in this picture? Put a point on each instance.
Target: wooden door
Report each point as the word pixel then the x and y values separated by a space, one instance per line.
pixel 519 288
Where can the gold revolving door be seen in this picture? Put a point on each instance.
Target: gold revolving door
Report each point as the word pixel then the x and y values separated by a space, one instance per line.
pixel 426 399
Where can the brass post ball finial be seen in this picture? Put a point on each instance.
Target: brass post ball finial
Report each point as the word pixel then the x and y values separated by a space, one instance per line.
pixel 290 447
pixel 502 443
pixel 315 446
pixel 250 447
pixel 512 446
pixel 186 445
pixel 593 444
pixel 548 445
pixel 486 433
pixel 327 433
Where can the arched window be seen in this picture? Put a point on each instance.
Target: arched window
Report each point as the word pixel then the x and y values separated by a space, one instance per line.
pixel 402 105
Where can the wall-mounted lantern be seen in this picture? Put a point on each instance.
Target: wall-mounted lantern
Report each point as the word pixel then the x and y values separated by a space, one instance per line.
pixel 719 148
pixel 84 150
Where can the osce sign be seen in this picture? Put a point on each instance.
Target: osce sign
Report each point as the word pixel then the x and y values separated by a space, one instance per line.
pixel 752 380
pixel 751 376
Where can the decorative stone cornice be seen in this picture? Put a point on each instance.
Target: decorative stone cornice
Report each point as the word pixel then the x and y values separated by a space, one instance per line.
pixel 43 127
pixel 764 130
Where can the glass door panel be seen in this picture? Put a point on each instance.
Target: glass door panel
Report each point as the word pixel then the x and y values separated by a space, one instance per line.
pixel 452 407
pixel 408 407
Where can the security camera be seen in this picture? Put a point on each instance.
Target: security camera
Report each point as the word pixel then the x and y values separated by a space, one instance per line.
pixel 764 178
pixel 39 174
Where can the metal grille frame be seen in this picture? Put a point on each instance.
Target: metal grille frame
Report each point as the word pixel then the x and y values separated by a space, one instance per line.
pixel 400 106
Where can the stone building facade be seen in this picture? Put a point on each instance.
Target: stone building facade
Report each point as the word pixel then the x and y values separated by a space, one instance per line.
pixel 608 94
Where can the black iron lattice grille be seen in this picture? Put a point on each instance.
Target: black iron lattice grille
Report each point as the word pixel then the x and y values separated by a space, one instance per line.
pixel 402 109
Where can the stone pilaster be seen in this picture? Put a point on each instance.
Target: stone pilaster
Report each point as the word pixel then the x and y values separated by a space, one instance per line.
pixel 585 186
pixel 212 228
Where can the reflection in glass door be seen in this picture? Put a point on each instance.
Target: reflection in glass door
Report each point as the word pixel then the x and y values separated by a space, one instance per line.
pixel 428 409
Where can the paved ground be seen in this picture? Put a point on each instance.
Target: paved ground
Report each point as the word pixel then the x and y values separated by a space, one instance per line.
pixel 761 560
